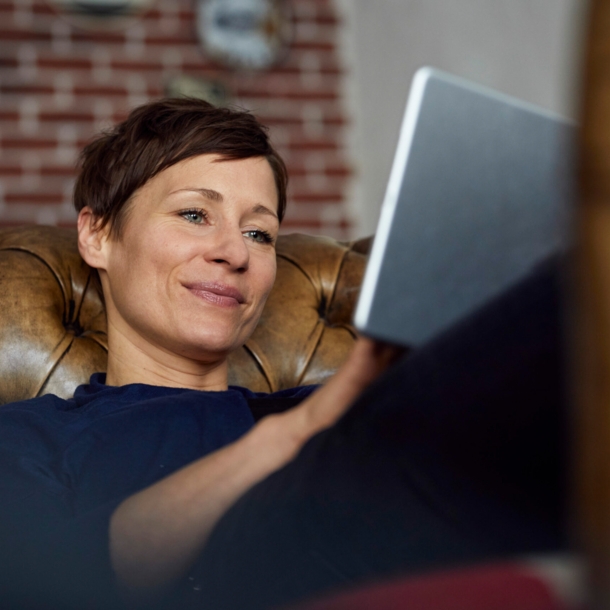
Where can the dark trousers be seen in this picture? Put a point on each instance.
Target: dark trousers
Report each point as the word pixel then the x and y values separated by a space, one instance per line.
pixel 456 455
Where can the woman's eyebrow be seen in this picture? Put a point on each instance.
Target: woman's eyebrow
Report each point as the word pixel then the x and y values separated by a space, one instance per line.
pixel 261 209
pixel 210 194
pixel 213 195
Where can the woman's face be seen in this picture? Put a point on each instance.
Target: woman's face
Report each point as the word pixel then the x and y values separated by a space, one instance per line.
pixel 196 260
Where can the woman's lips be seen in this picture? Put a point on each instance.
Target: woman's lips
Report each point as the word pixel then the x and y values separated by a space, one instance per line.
pixel 217 294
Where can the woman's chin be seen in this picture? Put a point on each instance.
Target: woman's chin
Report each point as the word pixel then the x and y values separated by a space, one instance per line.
pixel 206 349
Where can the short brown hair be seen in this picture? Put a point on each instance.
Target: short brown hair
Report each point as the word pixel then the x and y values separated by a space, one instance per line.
pixel 160 134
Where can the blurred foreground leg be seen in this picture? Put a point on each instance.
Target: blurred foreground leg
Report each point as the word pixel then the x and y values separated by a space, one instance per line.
pixel 453 456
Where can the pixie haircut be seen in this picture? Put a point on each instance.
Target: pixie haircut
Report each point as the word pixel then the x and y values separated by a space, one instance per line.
pixel 158 135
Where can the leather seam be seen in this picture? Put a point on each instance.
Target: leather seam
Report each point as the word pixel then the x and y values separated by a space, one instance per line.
pixel 321 296
pixel 320 326
pixel 331 299
pixel 300 268
pixel 56 356
pixel 46 264
pixel 260 366
pixel 92 336
pixel 77 309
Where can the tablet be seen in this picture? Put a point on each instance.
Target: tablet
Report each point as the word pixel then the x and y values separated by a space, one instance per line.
pixel 479 193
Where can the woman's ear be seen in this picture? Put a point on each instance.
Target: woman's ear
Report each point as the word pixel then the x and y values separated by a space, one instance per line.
pixel 92 239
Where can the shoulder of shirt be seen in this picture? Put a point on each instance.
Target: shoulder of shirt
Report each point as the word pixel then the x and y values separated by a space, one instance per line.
pixel 297 392
pixel 47 401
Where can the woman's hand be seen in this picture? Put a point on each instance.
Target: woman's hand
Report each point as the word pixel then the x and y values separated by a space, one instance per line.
pixel 367 360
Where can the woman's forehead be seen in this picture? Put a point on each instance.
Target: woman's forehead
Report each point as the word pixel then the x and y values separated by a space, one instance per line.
pixel 215 178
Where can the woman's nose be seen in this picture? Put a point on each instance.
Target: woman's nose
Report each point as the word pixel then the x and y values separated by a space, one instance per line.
pixel 228 246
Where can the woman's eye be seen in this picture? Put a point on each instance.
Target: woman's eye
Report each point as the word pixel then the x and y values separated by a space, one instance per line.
pixel 194 216
pixel 262 237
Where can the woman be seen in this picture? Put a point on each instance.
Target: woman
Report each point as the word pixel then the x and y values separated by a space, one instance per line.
pixel 179 209
pixel 186 267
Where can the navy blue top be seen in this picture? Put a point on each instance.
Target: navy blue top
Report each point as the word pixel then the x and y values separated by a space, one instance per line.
pixel 66 464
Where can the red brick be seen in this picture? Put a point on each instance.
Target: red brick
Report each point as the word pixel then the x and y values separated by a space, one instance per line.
pixel 299 98
pixel 37 198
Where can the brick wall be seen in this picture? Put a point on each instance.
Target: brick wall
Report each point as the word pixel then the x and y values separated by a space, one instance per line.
pixel 60 84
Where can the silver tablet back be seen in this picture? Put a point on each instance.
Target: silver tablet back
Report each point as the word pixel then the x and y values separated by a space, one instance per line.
pixel 478 194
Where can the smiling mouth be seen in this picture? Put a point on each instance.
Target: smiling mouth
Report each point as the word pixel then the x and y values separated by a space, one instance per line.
pixel 217 294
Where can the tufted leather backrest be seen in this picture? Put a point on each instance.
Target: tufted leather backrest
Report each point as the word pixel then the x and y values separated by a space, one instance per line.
pixel 53 324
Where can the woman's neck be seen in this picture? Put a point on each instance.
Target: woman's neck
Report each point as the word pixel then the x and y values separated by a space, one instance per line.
pixel 134 360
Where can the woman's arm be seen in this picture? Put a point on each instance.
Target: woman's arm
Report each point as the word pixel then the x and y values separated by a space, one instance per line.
pixel 157 533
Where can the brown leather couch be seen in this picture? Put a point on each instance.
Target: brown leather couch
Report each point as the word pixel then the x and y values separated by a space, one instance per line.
pixel 53 324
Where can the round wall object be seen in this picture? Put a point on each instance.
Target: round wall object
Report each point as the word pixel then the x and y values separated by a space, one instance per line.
pixel 245 33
